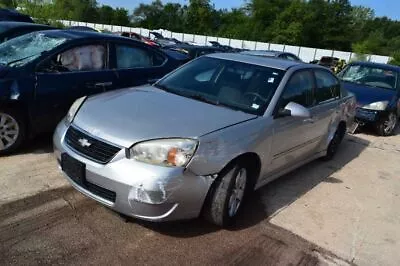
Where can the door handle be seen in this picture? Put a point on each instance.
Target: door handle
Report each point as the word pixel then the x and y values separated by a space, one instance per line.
pixel 103 84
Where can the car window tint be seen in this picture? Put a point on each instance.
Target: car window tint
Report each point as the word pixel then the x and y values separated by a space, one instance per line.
pixel 299 89
pixel 135 57
pixel 82 58
pixel 205 75
pixel 328 86
pixel 291 57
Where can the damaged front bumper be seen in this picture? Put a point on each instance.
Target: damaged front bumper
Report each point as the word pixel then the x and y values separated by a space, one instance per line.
pixel 137 189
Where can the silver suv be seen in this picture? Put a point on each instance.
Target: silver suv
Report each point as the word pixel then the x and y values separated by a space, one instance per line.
pixel 203 137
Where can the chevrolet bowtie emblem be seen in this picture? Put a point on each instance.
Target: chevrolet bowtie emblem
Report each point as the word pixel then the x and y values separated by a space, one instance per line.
pixel 84 143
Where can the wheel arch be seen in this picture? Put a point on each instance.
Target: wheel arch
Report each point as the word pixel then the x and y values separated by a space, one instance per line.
pixel 252 162
pixel 20 108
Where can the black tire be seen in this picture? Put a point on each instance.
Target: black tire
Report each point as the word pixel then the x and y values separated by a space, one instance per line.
pixel 334 144
pixel 14 114
pixel 381 127
pixel 216 209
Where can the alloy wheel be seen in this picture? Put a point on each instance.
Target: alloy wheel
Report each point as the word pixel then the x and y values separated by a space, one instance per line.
pixel 390 124
pixel 9 131
pixel 237 193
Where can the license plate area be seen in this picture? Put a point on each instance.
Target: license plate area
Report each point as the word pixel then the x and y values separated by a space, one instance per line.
pixel 74 169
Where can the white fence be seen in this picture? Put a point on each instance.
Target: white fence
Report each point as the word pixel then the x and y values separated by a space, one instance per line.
pixel 306 54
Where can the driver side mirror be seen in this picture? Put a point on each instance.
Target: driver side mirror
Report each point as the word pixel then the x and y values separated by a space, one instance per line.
pixel 295 110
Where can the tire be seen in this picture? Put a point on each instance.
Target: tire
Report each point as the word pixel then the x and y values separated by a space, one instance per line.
pixel 334 144
pixel 12 131
pixel 388 126
pixel 220 209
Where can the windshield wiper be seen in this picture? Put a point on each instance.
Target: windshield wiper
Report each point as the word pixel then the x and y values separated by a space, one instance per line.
pixel 22 59
pixel 201 98
pixel 164 88
pixel 209 101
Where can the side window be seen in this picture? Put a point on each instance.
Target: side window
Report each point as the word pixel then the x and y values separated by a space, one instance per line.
pixel 328 87
pixel 291 57
pixel 299 89
pixel 135 57
pixel 81 58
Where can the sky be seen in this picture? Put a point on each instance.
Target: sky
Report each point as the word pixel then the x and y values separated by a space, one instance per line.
pixel 389 8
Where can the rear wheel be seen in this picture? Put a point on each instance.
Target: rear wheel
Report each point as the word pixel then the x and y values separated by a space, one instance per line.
pixel 12 131
pixel 226 199
pixel 387 127
pixel 335 143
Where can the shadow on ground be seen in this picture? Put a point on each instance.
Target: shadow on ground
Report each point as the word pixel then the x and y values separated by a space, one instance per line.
pixel 271 199
pixel 37 145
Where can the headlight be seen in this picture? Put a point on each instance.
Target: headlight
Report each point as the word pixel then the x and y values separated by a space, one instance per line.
pixel 164 152
pixel 378 106
pixel 74 109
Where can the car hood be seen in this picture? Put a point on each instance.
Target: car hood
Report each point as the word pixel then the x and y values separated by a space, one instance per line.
pixel 367 95
pixel 127 116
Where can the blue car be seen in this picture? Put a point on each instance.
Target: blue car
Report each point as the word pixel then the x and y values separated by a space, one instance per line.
pixel 43 73
pixel 377 89
pixel 12 29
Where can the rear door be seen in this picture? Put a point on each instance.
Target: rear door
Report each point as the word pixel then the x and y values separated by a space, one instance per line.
pixel 137 64
pixel 77 71
pixel 327 96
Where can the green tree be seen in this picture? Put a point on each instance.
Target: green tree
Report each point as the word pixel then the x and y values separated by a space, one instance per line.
pixel 8 3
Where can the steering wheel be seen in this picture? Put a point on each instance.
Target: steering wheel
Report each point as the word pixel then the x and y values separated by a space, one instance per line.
pixel 256 96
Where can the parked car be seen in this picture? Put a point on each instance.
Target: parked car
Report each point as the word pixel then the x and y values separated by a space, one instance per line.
pixel 194 51
pixel 42 73
pixel 10 30
pixel 139 37
pixel 81 28
pixel 328 62
pixel 13 15
pixel 163 41
pixel 377 89
pixel 202 137
pixel 227 48
pixel 270 53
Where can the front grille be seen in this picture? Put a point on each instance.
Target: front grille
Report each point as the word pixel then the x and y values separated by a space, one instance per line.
pixel 90 147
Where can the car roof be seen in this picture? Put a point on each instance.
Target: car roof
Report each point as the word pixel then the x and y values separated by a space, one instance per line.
pixel 16 24
pixel 76 34
pixel 264 52
pixel 193 47
pixel 261 61
pixel 379 65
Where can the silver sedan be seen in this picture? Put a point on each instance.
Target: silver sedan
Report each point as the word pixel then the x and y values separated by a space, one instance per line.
pixel 203 137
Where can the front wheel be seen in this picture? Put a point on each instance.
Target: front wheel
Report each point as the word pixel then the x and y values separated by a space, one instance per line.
pixel 12 131
pixel 387 127
pixel 226 199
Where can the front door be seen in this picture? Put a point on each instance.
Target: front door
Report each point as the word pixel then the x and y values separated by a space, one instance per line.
pixel 77 72
pixel 294 137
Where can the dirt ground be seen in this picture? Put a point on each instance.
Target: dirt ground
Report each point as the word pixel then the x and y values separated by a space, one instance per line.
pixel 337 213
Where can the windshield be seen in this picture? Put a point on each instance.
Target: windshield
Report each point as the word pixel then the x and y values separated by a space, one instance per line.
pixel 26 48
pixel 370 76
pixel 239 86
